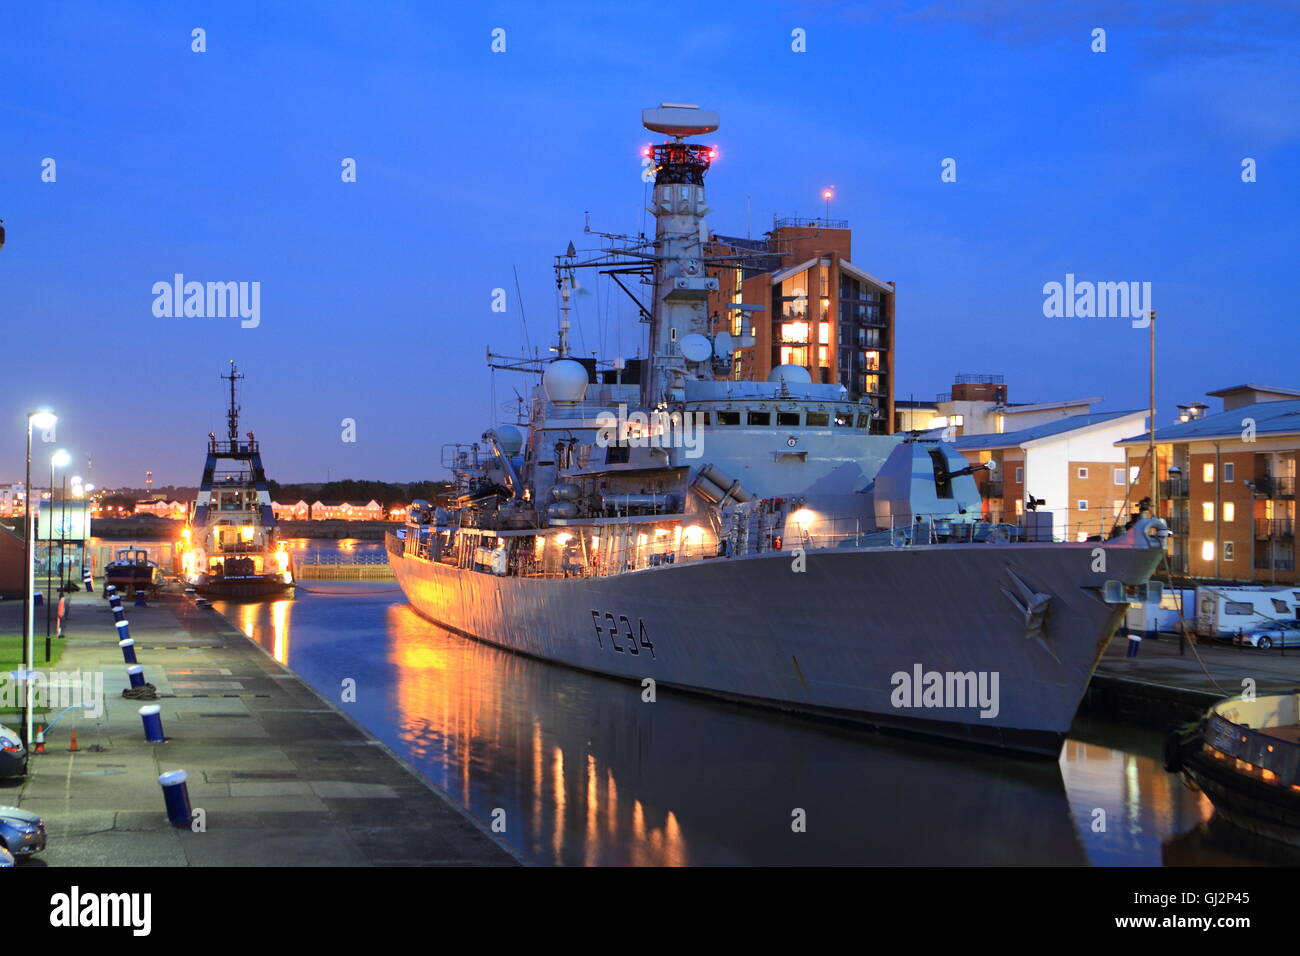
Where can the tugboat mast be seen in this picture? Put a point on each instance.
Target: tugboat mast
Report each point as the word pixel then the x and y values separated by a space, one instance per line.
pixel 232 413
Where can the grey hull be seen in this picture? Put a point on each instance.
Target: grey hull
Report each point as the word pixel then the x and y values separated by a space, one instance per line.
pixel 828 640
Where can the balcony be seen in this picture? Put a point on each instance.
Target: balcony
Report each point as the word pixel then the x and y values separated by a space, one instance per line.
pixel 1265 563
pixel 1275 488
pixel 1172 488
pixel 1280 529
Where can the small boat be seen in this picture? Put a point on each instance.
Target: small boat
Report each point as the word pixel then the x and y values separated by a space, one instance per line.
pixel 1244 755
pixel 131 571
pixel 229 547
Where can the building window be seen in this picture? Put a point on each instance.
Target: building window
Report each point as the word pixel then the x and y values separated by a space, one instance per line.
pixel 1119 508
pixel 1227 551
pixel 1020 476
pixel 1207 472
pixel 1229 511
pixel 1083 504
pixel 1119 476
pixel 1083 472
pixel 1229 471
pixel 1207 511
pixel 1207 550
pixel 1020 507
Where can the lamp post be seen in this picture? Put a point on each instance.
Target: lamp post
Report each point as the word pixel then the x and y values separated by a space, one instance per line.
pixel 41 418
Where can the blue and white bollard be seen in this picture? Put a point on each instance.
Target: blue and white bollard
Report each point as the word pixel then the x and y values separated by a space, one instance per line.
pixel 139 599
pixel 151 715
pixel 128 649
pixel 37 598
pixel 119 613
pixel 135 673
pixel 1134 642
pixel 176 795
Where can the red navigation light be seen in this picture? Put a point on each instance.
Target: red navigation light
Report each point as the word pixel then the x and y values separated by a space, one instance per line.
pixel 645 150
pixel 713 153
pixel 827 194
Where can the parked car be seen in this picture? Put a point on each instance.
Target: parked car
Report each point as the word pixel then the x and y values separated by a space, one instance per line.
pixel 6 858
pixel 22 832
pixel 1278 634
pixel 12 753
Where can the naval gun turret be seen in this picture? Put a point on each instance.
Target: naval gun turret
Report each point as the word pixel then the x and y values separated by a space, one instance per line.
pixel 927 481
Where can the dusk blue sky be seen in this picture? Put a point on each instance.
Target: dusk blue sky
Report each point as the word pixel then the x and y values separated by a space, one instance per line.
pixel 376 295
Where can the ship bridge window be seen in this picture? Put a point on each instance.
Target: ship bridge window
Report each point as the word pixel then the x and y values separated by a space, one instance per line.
pixel 864 420
pixel 787 419
pixel 728 418
pixel 818 419
pixel 760 418
pixel 843 419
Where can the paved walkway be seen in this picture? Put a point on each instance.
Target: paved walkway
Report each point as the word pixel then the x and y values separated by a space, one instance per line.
pixel 283 777
pixel 1160 665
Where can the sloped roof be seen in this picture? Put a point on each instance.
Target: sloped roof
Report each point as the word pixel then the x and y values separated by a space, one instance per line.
pixel 1045 430
pixel 1271 418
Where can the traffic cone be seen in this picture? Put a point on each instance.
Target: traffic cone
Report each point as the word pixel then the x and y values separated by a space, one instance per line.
pixel 40 739
pixel 72 744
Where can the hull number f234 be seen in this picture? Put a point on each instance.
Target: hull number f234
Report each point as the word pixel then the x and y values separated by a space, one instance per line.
pixel 617 633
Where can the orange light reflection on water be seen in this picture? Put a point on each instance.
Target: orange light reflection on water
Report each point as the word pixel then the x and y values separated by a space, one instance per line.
pixel 457 704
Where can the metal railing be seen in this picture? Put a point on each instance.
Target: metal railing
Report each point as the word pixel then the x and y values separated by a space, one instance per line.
pixel 1283 528
pixel 1269 487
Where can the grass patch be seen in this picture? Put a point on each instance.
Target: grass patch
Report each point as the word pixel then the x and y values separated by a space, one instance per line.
pixel 11 659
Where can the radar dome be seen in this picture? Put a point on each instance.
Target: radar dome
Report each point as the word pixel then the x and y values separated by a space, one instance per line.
pixel 790 374
pixel 510 439
pixel 565 381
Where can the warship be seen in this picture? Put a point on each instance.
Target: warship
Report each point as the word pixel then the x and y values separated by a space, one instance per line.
pixel 229 546
pixel 664 521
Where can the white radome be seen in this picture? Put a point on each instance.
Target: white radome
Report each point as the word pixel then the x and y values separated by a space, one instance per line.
pixel 510 438
pixel 791 374
pixel 565 381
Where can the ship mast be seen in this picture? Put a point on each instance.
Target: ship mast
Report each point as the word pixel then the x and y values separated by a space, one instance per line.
pixel 681 284
pixel 232 413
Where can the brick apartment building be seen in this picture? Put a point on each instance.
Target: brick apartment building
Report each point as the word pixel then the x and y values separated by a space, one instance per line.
pixel 1072 464
pixel 795 298
pixel 1227 485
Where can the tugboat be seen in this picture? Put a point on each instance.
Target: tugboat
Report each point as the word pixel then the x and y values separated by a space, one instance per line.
pixel 759 541
pixel 1244 755
pixel 131 571
pixel 229 546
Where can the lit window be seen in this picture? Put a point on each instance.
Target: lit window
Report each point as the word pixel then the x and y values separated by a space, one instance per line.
pixel 1207 471
pixel 1229 511
pixel 1207 511
pixel 1207 550
pixel 1020 507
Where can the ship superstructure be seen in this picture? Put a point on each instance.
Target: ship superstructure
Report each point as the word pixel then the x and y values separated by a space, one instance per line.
pixel 658 519
pixel 229 546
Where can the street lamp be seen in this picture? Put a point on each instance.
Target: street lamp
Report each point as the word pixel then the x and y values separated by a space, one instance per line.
pixel 43 419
